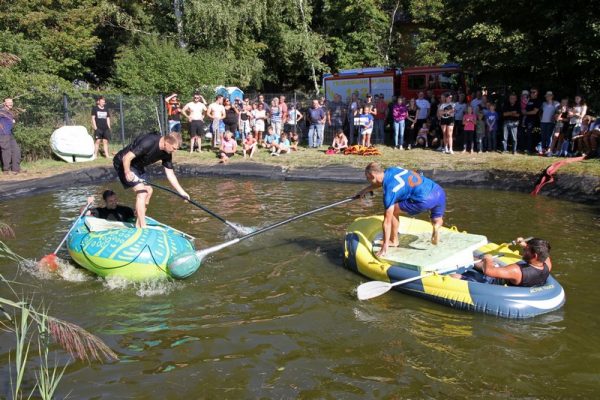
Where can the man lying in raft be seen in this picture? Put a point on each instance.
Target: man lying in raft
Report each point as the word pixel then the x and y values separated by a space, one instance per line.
pixel 407 191
pixel 130 165
pixel 112 210
pixel 533 270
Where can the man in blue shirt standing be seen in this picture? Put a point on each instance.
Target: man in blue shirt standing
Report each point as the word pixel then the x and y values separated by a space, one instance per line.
pixel 407 191
pixel 316 116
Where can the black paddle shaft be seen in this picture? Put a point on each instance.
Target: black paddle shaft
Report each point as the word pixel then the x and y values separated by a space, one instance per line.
pixel 200 206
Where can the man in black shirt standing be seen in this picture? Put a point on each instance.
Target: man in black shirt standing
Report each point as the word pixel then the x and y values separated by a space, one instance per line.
pixel 101 126
pixel 512 115
pixel 532 120
pixel 112 210
pixel 130 165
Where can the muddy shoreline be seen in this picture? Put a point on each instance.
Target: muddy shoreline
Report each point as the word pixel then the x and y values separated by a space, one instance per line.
pixel 581 189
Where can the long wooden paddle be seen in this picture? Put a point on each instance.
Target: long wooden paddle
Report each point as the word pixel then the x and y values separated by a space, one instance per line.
pixel 240 229
pixel 188 263
pixel 49 260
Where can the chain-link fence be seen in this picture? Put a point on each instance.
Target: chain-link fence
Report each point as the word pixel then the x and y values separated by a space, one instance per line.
pixel 39 114
pixel 129 115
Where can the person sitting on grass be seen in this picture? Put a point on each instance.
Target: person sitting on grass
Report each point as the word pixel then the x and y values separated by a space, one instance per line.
pixel 294 140
pixel 249 145
pixel 228 148
pixel 422 135
pixel 533 270
pixel 340 142
pixel 281 146
pixel 270 138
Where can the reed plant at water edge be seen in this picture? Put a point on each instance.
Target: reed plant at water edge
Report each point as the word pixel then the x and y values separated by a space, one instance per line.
pixel 28 324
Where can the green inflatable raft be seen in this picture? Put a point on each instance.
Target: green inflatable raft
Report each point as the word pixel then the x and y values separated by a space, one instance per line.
pixel 110 248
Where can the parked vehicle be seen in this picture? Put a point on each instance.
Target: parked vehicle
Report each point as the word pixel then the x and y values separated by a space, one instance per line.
pixel 394 82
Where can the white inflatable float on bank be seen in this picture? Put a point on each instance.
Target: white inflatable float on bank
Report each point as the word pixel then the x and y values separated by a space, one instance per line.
pixel 72 144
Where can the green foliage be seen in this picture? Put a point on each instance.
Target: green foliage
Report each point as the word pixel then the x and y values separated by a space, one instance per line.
pixel 356 31
pixel 61 31
pixel 224 23
pixel 34 141
pixel 280 45
pixel 160 66
pixel 524 43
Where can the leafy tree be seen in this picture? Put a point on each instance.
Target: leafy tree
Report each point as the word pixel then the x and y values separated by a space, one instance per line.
pixel 161 66
pixel 356 32
pixel 63 31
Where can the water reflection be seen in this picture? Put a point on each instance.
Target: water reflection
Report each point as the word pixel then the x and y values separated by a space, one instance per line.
pixel 276 316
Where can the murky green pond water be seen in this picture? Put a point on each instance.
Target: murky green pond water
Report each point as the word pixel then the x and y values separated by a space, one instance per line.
pixel 276 316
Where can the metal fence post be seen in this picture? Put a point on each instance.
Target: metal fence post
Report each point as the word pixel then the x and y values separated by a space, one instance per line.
pixel 122 119
pixel 163 114
pixel 296 115
pixel 66 109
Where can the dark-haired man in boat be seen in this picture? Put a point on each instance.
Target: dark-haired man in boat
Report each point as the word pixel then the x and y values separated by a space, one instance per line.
pixel 533 270
pixel 407 191
pixel 130 165
pixel 112 210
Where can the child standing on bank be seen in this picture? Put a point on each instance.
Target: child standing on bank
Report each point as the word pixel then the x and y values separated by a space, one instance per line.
pixel 367 126
pixel 480 131
pixel 468 120
pixel 491 122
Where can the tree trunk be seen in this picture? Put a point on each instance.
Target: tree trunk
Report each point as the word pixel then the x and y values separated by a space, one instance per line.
pixel 312 65
pixel 178 6
pixel 389 46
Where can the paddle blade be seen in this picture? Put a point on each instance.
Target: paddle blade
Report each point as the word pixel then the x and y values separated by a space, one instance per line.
pixel 180 266
pixel 372 289
pixel 241 229
pixel 49 262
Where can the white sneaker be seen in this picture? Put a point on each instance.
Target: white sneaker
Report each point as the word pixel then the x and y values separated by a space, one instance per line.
pixel 451 152
pixel 400 148
pixel 408 147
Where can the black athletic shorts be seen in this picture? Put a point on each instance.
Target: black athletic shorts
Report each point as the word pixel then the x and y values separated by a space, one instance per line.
pixel 102 134
pixel 118 164
pixel 231 126
pixel 447 121
pixel 197 128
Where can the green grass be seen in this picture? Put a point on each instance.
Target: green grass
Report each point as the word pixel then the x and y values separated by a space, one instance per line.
pixel 308 158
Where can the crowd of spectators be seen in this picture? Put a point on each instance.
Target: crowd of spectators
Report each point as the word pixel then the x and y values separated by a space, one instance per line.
pixel 452 122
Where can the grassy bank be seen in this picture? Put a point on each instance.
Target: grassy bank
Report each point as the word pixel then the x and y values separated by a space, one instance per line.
pixel 308 158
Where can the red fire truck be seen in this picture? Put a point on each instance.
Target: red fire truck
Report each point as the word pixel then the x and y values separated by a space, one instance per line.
pixel 394 82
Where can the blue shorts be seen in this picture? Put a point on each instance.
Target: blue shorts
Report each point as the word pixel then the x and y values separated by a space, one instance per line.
pixel 435 202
